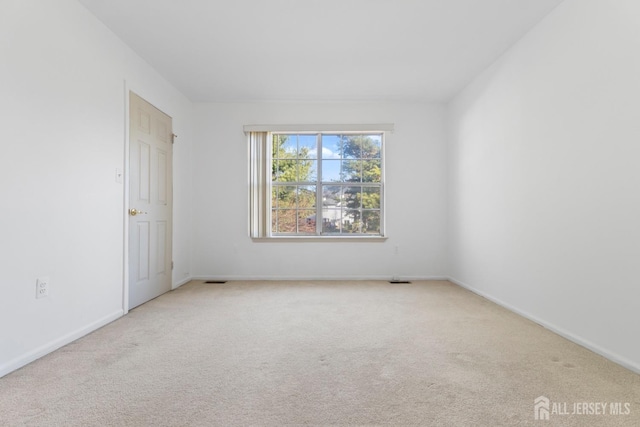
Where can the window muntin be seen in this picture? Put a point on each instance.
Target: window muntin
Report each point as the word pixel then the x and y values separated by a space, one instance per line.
pixel 336 177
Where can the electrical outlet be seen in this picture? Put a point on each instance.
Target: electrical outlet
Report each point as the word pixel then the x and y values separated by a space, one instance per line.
pixel 42 287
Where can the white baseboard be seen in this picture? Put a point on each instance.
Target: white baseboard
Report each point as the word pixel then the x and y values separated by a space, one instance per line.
pixel 25 359
pixel 182 282
pixel 315 278
pixel 622 361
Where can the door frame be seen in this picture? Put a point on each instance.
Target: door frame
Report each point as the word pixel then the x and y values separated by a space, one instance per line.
pixel 128 89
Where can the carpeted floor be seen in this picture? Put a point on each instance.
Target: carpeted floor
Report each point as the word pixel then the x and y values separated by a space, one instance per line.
pixel 318 353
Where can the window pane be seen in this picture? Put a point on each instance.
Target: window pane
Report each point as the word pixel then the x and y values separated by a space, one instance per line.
pixel 371 198
pixel 331 209
pixel 306 197
pixel 285 170
pixel 287 221
pixel 352 206
pixel 274 197
pixel 307 221
pixel 350 223
pixel 352 197
pixel 351 146
pixel 331 147
pixel 331 171
pixel 371 171
pixel 286 196
pixel 307 147
pixel 352 170
pixel 331 220
pixel 308 170
pixel 372 147
pixel 371 222
pixel 331 196
pixel 285 146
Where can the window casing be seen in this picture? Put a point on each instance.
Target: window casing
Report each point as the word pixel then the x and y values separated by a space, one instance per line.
pixel 317 183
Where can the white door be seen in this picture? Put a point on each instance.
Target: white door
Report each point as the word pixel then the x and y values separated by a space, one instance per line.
pixel 150 201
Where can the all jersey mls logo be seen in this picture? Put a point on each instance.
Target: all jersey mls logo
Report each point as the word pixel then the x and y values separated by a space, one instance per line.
pixel 544 408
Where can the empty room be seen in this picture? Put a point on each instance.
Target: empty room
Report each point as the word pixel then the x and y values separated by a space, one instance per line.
pixel 320 212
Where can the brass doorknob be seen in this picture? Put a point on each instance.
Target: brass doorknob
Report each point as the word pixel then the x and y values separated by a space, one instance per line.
pixel 134 212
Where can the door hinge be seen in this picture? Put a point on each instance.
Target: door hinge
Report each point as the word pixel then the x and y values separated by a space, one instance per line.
pixel 172 265
pixel 173 138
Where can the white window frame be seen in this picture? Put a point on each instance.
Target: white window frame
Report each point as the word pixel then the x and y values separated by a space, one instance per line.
pixel 260 138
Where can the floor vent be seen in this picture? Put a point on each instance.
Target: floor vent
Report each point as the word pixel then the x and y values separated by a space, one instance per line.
pixel 399 281
pixel 216 281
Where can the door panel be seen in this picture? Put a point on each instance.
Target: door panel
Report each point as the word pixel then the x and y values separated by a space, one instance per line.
pixel 144 166
pixel 143 242
pixel 150 201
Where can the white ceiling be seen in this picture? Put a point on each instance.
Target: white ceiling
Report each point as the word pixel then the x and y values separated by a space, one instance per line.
pixel 320 50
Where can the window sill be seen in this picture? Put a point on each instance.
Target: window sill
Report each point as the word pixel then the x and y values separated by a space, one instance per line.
pixel 358 239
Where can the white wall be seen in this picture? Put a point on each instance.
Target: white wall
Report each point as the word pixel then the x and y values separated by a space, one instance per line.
pixel 62 80
pixel 544 173
pixel 415 196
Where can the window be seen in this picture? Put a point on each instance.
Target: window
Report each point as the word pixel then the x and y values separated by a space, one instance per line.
pixel 327 184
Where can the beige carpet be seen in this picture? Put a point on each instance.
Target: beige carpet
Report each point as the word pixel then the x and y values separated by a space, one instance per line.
pixel 319 353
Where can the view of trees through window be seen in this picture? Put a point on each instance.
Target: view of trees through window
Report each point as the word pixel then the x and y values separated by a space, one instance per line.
pixel 326 184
